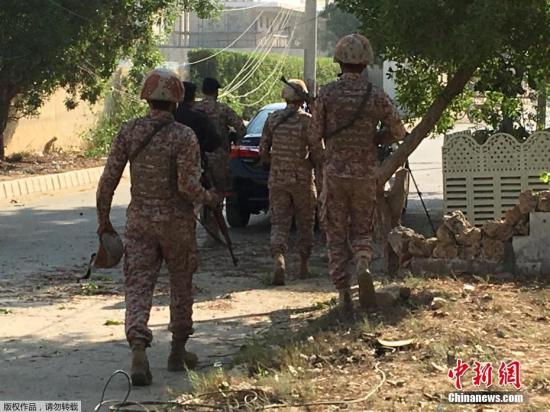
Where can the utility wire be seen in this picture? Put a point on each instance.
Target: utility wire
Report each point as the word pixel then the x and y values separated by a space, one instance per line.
pixel 256 66
pixel 230 44
pixel 253 56
pixel 276 70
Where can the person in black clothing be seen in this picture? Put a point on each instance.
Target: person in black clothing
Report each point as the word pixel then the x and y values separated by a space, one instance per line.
pixel 207 135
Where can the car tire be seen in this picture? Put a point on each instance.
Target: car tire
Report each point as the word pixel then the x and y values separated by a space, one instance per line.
pixel 236 216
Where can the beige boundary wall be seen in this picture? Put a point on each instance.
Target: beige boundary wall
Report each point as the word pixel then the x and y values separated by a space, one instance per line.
pixel 54 120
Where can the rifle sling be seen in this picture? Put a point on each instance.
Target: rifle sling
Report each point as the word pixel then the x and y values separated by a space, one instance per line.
pixel 283 119
pixel 148 139
pixel 355 116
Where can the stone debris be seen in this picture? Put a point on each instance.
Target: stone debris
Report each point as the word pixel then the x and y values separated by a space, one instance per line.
pixel 442 251
pixel 464 246
pixel 469 288
pixel 528 202
pixel 470 237
pixel 544 201
pixel 390 295
pixel 469 252
pixel 494 250
pixel 498 229
pixel 456 222
pixel 513 216
pixel 445 236
pixel 399 239
pixel 422 247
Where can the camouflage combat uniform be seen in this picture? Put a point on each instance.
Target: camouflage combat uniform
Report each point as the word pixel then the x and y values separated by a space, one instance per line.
pixel 286 147
pixel 350 171
pixel 160 220
pixel 223 117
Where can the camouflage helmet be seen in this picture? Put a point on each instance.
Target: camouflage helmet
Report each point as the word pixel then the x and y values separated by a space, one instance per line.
pixel 162 84
pixel 353 49
pixel 290 94
pixel 110 251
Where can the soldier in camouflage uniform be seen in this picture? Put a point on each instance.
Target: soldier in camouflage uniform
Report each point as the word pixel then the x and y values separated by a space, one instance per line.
pixel 165 171
pixel 346 117
pixel 285 146
pixel 224 118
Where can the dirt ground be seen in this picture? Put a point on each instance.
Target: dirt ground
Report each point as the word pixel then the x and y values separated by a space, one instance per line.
pixel 20 165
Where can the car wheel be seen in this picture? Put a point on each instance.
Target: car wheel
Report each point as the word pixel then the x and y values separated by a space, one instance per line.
pixel 236 216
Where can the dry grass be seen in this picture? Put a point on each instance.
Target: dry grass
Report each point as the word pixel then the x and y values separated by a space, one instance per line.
pixel 329 357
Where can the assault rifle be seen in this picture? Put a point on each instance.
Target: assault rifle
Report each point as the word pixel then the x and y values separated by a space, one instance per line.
pixel 217 212
pixel 306 97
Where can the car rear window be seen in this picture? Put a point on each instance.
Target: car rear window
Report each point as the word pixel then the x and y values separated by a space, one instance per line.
pixel 256 125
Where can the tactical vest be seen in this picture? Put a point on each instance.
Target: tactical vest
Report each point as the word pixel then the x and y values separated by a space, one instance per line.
pixel 153 172
pixel 287 145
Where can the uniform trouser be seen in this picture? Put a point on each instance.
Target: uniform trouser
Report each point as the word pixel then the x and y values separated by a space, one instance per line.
pixel 285 202
pixel 347 218
pixel 148 243
pixel 218 173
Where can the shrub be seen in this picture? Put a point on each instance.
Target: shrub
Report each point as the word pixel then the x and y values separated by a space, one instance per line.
pixel 251 80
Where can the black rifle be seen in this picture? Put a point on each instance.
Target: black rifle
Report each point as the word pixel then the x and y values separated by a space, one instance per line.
pixel 217 212
pixel 306 97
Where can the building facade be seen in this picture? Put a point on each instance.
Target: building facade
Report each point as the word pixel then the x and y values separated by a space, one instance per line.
pixel 243 26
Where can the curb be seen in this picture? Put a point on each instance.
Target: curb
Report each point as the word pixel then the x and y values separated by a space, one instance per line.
pixel 18 188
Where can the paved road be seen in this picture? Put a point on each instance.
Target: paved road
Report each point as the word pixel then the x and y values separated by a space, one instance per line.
pixel 55 342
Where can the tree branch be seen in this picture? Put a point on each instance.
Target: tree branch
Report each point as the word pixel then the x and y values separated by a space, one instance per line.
pixel 453 88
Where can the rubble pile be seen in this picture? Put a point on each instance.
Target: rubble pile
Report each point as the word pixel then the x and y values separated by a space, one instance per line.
pixel 457 238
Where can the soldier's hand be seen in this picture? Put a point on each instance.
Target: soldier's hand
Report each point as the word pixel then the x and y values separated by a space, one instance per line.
pixel 105 227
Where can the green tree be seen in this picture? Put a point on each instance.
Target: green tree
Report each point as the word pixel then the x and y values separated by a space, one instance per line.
pixel 446 49
pixel 75 45
pixel 338 23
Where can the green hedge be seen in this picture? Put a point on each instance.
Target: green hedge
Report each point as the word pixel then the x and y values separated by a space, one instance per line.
pixel 226 65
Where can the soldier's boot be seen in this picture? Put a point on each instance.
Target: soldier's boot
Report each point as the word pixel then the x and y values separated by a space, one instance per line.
pixel 179 358
pixel 304 267
pixel 140 372
pixel 367 295
pixel 279 272
pixel 345 302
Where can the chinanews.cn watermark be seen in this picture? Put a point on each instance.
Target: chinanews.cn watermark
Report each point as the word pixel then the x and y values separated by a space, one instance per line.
pixel 508 375
pixel 485 397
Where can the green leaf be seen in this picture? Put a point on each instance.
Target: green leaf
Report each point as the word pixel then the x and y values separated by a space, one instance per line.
pixel 110 322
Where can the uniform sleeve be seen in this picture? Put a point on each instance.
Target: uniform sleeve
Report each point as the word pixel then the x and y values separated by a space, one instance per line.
pixel 212 139
pixel 266 141
pixel 189 171
pixel 315 147
pixel 234 120
pixel 317 124
pixel 392 127
pixel 116 162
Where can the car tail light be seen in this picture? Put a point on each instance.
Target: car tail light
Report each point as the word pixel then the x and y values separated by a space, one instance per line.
pixel 245 152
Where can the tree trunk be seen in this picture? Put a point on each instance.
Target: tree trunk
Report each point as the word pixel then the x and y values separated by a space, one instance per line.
pixel 541 107
pixel 454 87
pixel 5 102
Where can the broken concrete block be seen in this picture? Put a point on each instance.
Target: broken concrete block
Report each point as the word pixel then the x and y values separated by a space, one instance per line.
pixel 497 229
pixel 494 250
pixel 422 247
pixel 445 236
pixel 469 252
pixel 544 201
pixel 527 202
pixel 513 216
pixel 456 222
pixel 445 251
pixel 470 237
pixel 399 239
